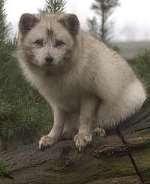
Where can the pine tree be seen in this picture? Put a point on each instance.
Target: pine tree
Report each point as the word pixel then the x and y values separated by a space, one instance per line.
pixel 94 27
pixel 104 9
pixel 3 25
pixel 4 54
pixel 54 6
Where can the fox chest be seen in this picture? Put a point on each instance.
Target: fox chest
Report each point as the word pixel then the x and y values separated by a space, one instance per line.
pixel 66 95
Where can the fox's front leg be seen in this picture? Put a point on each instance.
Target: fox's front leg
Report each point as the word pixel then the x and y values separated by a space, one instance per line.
pixel 87 118
pixel 56 131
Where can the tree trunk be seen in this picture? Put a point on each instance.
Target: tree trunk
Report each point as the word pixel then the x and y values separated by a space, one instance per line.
pixel 103 36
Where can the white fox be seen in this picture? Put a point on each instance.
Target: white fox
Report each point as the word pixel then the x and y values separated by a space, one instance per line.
pixel 85 82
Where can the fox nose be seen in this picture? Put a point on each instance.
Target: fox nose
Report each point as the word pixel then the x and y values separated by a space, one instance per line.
pixel 49 59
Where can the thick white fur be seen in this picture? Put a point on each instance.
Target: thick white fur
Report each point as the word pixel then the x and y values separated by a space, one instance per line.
pixel 100 87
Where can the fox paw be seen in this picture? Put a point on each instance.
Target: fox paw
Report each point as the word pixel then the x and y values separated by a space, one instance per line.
pixel 99 132
pixel 46 142
pixel 82 140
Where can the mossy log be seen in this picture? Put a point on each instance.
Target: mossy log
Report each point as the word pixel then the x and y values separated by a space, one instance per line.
pixel 104 162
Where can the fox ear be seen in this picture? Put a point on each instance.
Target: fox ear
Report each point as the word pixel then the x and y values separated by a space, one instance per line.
pixel 71 22
pixel 27 22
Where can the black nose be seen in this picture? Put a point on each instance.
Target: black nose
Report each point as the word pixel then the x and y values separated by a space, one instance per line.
pixel 49 59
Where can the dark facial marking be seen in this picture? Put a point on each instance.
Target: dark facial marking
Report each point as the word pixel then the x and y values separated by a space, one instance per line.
pixel 29 54
pixel 67 55
pixel 39 42
pixel 59 43
pixel 50 33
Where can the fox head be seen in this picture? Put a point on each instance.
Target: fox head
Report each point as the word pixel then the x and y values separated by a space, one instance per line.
pixel 48 40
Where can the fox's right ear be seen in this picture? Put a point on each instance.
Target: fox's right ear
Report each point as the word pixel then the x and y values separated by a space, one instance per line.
pixel 27 22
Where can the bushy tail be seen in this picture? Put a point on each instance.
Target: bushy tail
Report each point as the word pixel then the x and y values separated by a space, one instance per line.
pixel 138 122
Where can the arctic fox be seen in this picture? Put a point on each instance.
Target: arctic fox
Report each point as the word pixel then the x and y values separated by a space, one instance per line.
pixel 86 83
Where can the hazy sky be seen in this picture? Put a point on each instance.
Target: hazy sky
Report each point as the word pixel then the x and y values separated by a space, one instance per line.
pixel 132 18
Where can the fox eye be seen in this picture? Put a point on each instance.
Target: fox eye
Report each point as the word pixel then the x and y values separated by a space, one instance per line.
pixel 39 42
pixel 59 43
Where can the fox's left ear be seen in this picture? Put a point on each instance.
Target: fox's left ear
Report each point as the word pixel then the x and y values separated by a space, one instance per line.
pixel 71 22
pixel 27 22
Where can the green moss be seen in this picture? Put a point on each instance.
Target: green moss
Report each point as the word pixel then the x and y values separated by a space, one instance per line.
pixel 105 168
pixel 4 169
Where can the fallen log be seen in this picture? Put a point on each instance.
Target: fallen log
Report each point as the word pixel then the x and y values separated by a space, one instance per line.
pixel 105 161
